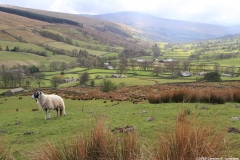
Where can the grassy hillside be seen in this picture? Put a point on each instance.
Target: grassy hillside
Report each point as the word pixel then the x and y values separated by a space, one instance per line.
pixel 101 38
pixel 160 29
pixel 96 37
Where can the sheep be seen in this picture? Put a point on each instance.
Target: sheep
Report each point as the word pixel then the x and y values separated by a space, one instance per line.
pixel 49 102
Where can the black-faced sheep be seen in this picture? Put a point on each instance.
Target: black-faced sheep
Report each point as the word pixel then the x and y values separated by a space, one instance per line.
pixel 49 102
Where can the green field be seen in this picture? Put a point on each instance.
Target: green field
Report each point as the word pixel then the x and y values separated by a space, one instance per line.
pixel 79 119
pixel 9 59
pixel 68 47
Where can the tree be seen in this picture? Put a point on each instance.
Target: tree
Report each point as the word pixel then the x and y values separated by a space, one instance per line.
pixel 56 80
pixel 156 51
pixel 19 79
pixel 28 81
pixel 156 70
pixel 6 76
pixel 39 76
pixel 107 85
pixel 84 78
pixel 122 67
pixel 92 82
pixel 74 52
pixel 3 67
pixel 33 69
pixel 42 67
pixel 212 77
pixel 63 66
pixel 216 67
pixel 185 65
pixel 7 49
pixel 54 65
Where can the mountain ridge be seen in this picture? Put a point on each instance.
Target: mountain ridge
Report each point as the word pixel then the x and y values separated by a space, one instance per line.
pixel 156 28
pixel 142 26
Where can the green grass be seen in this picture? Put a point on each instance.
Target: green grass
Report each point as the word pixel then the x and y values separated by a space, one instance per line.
pixel 10 59
pixel 228 62
pixel 21 45
pixel 68 47
pixel 79 119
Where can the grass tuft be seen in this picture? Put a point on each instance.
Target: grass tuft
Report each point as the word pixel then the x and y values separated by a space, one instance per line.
pixel 99 144
pixel 191 140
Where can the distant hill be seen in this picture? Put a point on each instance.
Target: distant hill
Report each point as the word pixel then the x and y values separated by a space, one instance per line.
pixel 168 30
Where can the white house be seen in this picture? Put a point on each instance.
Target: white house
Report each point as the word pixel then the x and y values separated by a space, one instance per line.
pixel 107 65
pixel 67 80
pixel 141 60
pixel 226 75
pixel 114 75
pixel 186 74
pixel 202 73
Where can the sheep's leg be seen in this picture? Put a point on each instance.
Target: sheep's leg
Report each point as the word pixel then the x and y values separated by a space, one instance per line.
pixel 49 116
pixel 56 111
pixel 45 113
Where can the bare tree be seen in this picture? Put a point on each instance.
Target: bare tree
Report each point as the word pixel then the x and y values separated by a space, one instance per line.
pixel 156 51
pixel 216 67
pixel 42 67
pixel 185 65
pixel 39 77
pixel 6 76
pixel 63 66
pixel 56 80
pixel 156 70
pixel 122 66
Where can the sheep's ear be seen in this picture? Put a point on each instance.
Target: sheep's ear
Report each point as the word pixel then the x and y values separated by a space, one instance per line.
pixel 40 92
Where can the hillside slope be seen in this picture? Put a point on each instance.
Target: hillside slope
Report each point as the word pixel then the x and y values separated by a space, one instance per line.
pixel 166 29
pixel 97 37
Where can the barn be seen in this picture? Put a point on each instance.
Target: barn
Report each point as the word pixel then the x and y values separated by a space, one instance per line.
pixel 12 92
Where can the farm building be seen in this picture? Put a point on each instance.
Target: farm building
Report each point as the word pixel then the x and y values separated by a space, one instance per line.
pixel 186 74
pixel 202 73
pixel 107 65
pixel 12 92
pixel 226 75
pixel 67 80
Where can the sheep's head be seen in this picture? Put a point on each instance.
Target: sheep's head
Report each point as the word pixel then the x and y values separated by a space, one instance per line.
pixel 37 94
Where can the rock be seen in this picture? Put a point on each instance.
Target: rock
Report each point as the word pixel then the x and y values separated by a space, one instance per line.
pixel 234 118
pixel 204 107
pixel 233 130
pixel 150 118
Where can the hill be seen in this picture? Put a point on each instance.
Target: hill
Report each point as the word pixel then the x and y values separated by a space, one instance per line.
pixel 167 30
pixel 95 37
pixel 99 40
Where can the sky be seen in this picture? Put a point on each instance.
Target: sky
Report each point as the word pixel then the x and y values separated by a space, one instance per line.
pixel 217 12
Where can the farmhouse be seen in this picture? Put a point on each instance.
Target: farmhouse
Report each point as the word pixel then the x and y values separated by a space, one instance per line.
pixel 12 92
pixel 118 76
pixel 166 60
pixel 141 60
pixel 186 74
pixel 107 65
pixel 67 80
pixel 226 75
pixel 202 73
pixel 114 75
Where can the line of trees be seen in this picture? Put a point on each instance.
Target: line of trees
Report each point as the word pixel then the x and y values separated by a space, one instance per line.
pixel 55 36
pixel 40 17
pixel 10 79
